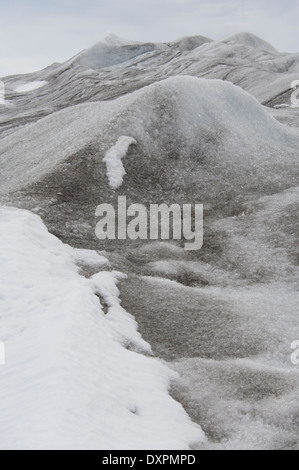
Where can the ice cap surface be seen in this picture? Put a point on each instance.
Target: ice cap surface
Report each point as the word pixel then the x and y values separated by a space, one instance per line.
pixel 228 314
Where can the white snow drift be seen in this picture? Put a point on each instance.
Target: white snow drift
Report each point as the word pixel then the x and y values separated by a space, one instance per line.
pixel 113 160
pixel 31 86
pixel 72 379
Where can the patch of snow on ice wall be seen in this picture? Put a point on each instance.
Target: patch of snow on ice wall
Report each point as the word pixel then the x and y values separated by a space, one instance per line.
pixel 113 160
pixel 31 86
pixel 70 381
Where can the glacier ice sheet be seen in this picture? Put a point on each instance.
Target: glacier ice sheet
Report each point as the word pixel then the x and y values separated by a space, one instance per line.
pixel 226 318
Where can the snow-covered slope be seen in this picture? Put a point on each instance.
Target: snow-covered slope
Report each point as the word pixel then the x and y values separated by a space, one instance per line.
pixel 72 379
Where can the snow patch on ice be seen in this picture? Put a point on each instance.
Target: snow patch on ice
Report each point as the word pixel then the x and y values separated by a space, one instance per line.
pixel 70 380
pixel 31 86
pixel 123 323
pixel 295 84
pixel 113 160
pixel 89 257
pixel 283 105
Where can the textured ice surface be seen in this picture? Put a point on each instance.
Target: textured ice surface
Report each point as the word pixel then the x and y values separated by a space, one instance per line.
pixel 250 40
pixel 110 53
pixel 224 317
pixel 211 125
pixel 115 67
pixel 242 404
pixel 72 379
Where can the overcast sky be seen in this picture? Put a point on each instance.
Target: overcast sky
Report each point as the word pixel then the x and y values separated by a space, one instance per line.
pixel 34 34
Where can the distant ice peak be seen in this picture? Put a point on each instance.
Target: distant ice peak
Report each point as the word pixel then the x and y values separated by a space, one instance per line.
pixel 112 39
pixel 250 40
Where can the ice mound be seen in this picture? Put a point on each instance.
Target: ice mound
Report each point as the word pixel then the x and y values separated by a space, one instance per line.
pixel 190 42
pixel 243 59
pixel 250 40
pixel 207 130
pixel 112 51
pixel 72 379
pixel 112 39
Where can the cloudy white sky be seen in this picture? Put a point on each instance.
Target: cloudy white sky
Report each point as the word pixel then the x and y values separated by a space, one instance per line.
pixel 36 33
